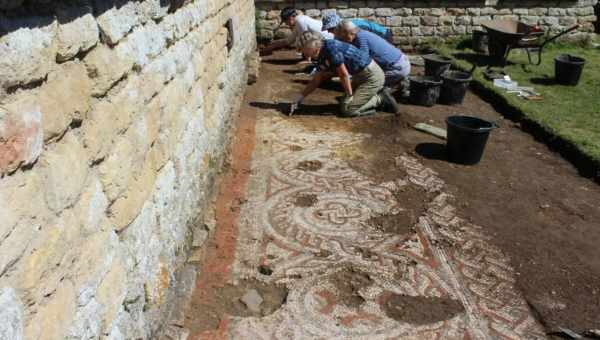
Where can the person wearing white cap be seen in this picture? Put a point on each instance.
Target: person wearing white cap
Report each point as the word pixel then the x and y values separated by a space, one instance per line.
pixel 300 24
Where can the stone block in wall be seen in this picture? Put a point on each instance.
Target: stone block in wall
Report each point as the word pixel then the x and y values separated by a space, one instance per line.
pixel 63 98
pixel 53 319
pixel 77 31
pixel 539 11
pixel 411 21
pixel 66 159
pixel 557 12
pixel 394 21
pixel 116 19
pixel 384 12
pixel 27 51
pixel 348 13
pixel 456 11
pixel 365 12
pixel 530 19
pixel 549 21
pixel 11 314
pixel 519 11
pixel 152 9
pixel 463 20
pixel 314 13
pixel 429 20
pixel 111 294
pixel 106 67
pixel 142 44
pixel 21 135
pixel 446 20
pixel 567 21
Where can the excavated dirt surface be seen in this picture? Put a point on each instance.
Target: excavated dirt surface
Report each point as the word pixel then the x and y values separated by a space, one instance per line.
pixel 532 202
pixel 419 309
pixel 415 202
pixel 348 283
pixel 306 200
pixel 529 202
pixel 226 301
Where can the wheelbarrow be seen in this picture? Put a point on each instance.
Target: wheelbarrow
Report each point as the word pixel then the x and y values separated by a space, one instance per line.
pixel 506 35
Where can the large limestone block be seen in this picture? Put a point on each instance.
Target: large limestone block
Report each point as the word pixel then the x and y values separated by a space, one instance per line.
pixel 11 315
pixel 63 98
pixel 65 172
pixel 111 293
pixel 117 169
pixel 116 20
pixel 92 259
pixel 53 319
pixel 128 206
pixel 91 208
pixel 106 67
pixel 21 135
pixel 143 44
pixel 23 211
pixel 27 51
pixel 104 122
pixel 152 9
pixel 77 31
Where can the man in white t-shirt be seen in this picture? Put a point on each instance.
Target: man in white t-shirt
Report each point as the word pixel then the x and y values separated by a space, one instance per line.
pixel 299 24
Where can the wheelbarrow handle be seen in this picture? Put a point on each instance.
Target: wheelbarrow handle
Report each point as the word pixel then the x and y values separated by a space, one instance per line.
pixel 571 29
pixel 541 48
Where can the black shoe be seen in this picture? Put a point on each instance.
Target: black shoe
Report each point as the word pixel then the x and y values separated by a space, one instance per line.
pixel 388 103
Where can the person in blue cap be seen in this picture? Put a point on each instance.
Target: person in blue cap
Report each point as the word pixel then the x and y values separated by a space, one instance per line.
pixel 331 21
pixel 395 64
pixel 364 93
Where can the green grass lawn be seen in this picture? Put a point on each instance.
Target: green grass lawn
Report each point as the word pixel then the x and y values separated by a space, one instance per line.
pixel 572 113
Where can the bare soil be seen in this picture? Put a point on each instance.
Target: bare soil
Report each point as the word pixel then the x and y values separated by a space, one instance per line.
pixel 532 202
pixel 225 301
pixel 306 200
pixel 348 282
pixel 414 201
pixel 309 165
pixel 420 310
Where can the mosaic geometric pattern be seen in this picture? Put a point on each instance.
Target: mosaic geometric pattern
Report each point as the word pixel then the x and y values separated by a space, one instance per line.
pixel 445 256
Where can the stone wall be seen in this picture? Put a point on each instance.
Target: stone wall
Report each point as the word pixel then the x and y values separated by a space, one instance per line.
pixel 113 124
pixel 415 21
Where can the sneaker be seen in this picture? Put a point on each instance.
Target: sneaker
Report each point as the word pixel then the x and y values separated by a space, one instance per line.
pixel 388 103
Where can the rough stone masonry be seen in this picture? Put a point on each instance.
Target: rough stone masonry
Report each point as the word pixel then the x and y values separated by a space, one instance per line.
pixel 113 123
pixel 416 21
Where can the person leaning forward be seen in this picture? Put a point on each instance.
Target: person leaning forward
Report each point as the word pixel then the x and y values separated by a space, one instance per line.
pixel 395 64
pixel 365 92
pixel 300 24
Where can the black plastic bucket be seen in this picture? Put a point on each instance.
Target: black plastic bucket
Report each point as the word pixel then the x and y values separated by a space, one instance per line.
pixel 454 87
pixel 467 137
pixel 436 65
pixel 424 91
pixel 480 41
pixel 568 69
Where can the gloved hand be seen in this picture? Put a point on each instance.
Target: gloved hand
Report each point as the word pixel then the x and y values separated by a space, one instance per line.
pixel 294 105
pixel 347 99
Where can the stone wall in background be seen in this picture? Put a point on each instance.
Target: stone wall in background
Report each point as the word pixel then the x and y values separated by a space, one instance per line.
pixel 113 123
pixel 415 21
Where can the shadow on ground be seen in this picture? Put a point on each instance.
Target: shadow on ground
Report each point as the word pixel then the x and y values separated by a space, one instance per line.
pixel 303 109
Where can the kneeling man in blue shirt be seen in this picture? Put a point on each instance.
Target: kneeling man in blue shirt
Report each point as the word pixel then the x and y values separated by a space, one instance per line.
pixel 365 92
pixel 394 63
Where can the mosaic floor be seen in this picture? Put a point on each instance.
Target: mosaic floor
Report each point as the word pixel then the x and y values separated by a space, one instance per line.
pixel 305 246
